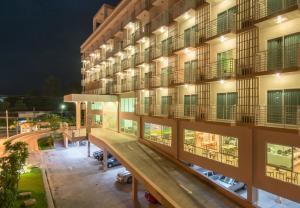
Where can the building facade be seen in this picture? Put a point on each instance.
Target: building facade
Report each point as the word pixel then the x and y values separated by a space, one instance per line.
pixel 214 83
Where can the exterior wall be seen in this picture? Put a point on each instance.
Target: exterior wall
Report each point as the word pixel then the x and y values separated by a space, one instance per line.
pixel 220 7
pixel 217 87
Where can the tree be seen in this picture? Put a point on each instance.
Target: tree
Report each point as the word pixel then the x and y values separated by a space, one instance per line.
pixel 10 167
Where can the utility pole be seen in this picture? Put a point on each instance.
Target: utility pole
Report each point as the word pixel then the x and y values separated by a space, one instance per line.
pixel 7 133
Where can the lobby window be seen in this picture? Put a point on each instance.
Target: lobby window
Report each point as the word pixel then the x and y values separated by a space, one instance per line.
pixel 158 133
pixel 127 105
pixel 283 163
pixel 129 127
pixel 98 120
pixel 97 106
pixel 212 146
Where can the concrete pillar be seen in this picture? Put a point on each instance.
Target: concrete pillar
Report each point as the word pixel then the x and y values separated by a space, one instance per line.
pixel 78 115
pixel 104 161
pixel 134 189
pixel 89 125
pixel 89 148
pixel 252 195
pixel 66 142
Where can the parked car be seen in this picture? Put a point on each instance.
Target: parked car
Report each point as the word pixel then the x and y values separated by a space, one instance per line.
pixel 124 177
pixel 226 181
pixel 237 186
pixel 112 162
pixel 82 143
pixel 150 198
pixel 99 155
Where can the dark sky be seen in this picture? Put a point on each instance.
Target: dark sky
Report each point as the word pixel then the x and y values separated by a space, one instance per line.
pixel 39 38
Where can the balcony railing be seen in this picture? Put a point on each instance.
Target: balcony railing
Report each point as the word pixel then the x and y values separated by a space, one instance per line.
pixel 143 57
pixel 128 42
pixel 163 49
pixel 141 6
pixel 279 59
pixel 265 8
pixel 163 110
pixel 184 76
pixel 185 111
pixel 125 64
pixel 219 113
pixel 281 116
pixel 221 69
pixel 220 26
pixel 127 85
pixel 142 109
pixel 142 32
pixel 117 89
pixel 116 68
pixel 186 40
pixel 163 19
pixel 183 6
pixel 162 80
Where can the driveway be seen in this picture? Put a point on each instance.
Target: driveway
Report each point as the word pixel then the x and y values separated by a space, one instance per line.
pixel 77 181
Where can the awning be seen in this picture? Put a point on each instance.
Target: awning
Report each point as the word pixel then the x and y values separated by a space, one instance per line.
pixel 90 98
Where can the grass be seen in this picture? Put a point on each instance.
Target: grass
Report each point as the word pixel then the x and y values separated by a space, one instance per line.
pixel 33 182
pixel 46 143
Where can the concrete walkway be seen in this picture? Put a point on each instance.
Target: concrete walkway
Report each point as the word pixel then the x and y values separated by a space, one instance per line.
pixel 179 188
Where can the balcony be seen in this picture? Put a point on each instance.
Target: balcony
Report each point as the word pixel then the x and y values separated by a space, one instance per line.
pixel 268 9
pixel 219 113
pixel 116 68
pixel 184 76
pixel 224 69
pixel 220 26
pixel 128 42
pixel 163 110
pixel 183 6
pixel 163 19
pixel 163 49
pixel 109 71
pixel 125 64
pixel 161 80
pixel 127 85
pixel 185 111
pixel 117 48
pixel 144 109
pixel 278 60
pixel 187 40
pixel 117 89
pixel 142 32
pixel 142 8
pixel 280 116
pixel 143 57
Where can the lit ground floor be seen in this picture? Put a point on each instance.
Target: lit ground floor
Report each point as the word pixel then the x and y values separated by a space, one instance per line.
pixel 77 181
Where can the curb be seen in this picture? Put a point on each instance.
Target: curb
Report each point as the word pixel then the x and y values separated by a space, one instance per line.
pixel 48 192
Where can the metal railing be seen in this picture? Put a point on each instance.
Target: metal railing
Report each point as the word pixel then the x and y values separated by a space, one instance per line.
pixel 286 57
pixel 160 20
pixel 127 86
pixel 221 25
pixel 116 68
pixel 141 32
pixel 185 41
pixel 142 109
pixel 221 69
pixel 264 9
pixel 183 76
pixel 128 42
pixel 117 88
pixel 141 6
pixel 286 116
pixel 125 64
pixel 183 6
pixel 185 111
pixel 163 110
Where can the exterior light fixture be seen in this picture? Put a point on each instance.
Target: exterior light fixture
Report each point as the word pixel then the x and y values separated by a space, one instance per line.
pixel 186 51
pixel 162 29
pixel 186 85
pixel 222 81
pixel 222 38
pixel 92 55
pixel 277 75
pixel 186 16
pixel 280 19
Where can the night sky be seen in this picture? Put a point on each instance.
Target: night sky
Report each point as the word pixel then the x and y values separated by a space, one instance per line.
pixel 39 38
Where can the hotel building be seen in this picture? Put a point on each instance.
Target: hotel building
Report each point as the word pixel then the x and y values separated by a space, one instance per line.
pixel 213 83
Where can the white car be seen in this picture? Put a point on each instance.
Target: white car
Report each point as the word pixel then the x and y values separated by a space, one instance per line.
pixel 124 177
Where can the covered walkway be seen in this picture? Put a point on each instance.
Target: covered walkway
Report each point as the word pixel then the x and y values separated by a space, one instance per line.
pixel 171 185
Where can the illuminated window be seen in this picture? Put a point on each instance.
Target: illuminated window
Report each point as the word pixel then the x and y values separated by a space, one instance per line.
pixel 212 146
pixel 283 163
pixel 127 105
pixel 98 119
pixel 129 127
pixel 158 133
pixel 97 106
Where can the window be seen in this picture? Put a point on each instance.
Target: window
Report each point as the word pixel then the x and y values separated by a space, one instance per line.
pixel 212 146
pixel 98 119
pixel 283 106
pixel 127 105
pixel 165 102
pixel 225 105
pixel 190 37
pixel 190 68
pixel 129 127
pixel 283 163
pixel 190 102
pixel 158 133
pixel 226 20
pixel 97 106
pixel 225 65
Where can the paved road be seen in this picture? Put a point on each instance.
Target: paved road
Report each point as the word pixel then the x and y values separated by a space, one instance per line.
pixel 183 189
pixel 76 181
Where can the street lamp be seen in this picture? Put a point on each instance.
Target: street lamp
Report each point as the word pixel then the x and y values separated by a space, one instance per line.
pixel 62 107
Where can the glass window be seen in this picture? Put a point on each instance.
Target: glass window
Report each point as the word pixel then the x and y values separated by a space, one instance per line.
pixel 158 133
pixel 129 126
pixel 212 146
pixel 97 106
pixel 98 119
pixel 127 105
pixel 283 163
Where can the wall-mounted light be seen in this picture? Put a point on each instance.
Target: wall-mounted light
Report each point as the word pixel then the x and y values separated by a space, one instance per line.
pixel 222 38
pixel 277 75
pixel 222 81
pixel 162 29
pixel 186 16
pixel 280 19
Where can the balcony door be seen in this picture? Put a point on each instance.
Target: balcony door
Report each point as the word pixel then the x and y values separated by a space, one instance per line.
pixel 147 104
pixel 190 68
pixel 165 76
pixel 165 103
pixel 226 20
pixel 283 106
pixel 190 102
pixel 291 50
pixel 224 63
pixel 190 37
pixel 225 105
pixel 275 53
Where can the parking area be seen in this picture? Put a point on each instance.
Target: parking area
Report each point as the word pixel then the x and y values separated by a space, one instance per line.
pixel 77 181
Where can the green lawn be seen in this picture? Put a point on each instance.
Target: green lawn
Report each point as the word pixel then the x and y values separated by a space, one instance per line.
pixel 46 143
pixel 33 182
